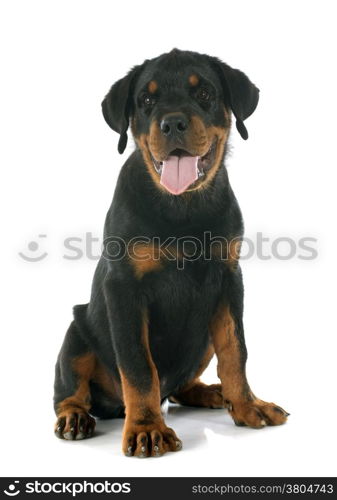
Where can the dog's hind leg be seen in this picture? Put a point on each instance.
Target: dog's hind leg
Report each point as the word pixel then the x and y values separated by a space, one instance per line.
pixel 72 400
pixel 199 394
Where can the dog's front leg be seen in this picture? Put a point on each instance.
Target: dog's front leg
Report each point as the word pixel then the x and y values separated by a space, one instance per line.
pixel 145 432
pixel 229 345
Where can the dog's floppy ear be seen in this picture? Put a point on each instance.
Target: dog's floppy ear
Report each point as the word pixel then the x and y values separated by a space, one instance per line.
pixel 242 94
pixel 118 104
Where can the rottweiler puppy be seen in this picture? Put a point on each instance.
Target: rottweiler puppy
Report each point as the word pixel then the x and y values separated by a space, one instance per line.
pixel 167 293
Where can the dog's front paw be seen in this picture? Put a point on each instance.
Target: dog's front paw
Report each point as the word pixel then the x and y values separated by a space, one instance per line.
pixel 256 413
pixel 72 425
pixel 152 441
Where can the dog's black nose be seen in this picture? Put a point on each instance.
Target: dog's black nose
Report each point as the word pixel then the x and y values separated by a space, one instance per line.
pixel 174 124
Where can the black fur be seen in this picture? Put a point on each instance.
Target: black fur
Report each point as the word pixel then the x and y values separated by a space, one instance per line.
pixel 180 303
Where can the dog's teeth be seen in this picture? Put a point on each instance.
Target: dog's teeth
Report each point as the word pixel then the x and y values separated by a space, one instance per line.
pixel 158 169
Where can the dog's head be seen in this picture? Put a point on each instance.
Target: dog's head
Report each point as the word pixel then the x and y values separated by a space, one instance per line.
pixel 180 106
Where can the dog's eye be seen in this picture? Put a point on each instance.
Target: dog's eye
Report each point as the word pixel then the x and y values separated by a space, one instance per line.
pixel 149 100
pixel 203 95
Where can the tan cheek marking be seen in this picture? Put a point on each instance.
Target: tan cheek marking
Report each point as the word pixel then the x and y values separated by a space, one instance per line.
pixel 157 143
pixel 196 137
pixel 207 136
pixel 222 135
pixel 152 86
pixel 156 147
pixel 193 80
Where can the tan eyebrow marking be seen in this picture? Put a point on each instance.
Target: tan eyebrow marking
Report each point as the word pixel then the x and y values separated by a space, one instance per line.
pixel 152 86
pixel 193 80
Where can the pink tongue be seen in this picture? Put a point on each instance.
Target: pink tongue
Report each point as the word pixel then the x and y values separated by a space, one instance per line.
pixel 179 172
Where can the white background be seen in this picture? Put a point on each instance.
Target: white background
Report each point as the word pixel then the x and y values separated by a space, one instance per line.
pixel 59 166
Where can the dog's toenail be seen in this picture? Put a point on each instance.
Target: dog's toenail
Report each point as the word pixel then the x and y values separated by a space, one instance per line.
pixel 178 445
pixel 129 452
pixel 263 422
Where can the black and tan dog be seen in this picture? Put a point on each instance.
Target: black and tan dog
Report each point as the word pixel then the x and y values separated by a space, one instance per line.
pixel 167 293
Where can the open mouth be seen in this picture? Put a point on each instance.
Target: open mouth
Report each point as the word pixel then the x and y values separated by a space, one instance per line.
pixel 180 170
